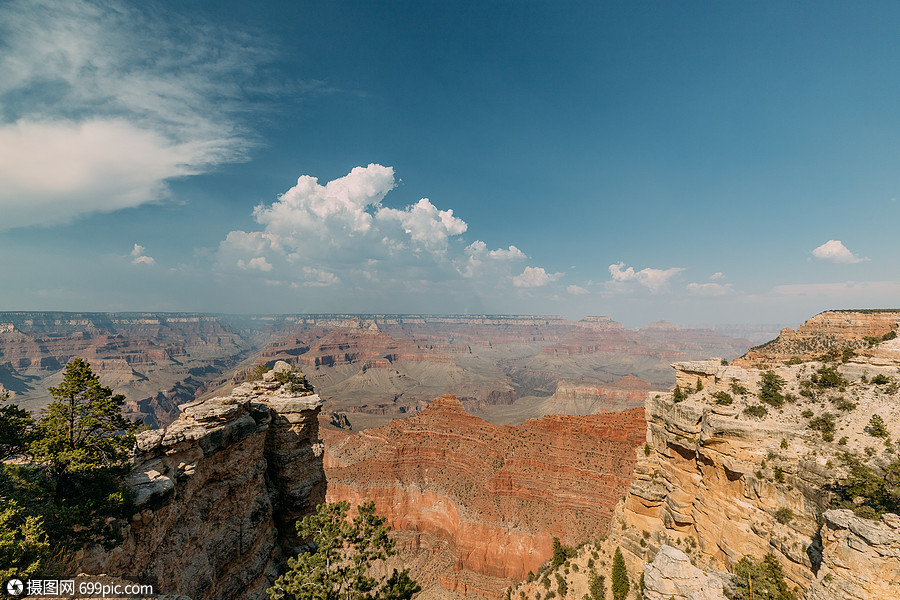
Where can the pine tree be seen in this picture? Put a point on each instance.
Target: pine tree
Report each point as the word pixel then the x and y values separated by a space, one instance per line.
pixel 620 585
pixel 83 430
pixel 16 429
pixel 339 566
pixel 597 586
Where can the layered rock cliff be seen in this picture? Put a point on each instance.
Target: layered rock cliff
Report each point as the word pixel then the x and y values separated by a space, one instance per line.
pixel 731 471
pixel 828 332
pixel 492 497
pixel 734 466
pixel 218 493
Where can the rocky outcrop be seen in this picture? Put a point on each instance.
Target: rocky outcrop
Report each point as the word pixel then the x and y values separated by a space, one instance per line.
pixel 722 483
pixel 498 495
pixel 218 493
pixel 583 398
pixel 861 558
pixel 671 576
pixel 827 332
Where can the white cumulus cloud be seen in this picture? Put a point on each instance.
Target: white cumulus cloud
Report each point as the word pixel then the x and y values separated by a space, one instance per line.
pixel 656 280
pixel 835 251
pixel 577 290
pixel 535 277
pixel 259 263
pixel 319 235
pixel 139 256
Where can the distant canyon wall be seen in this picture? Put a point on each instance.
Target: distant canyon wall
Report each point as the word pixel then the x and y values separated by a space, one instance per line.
pixel 497 495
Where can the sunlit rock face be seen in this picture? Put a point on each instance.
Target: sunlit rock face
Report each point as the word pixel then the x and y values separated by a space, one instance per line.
pixel 218 493
pixel 493 497
pixel 722 483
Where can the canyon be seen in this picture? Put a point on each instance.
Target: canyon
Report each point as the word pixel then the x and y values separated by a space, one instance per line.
pixel 715 482
pixel 369 368
pixel 685 483
pixel 491 498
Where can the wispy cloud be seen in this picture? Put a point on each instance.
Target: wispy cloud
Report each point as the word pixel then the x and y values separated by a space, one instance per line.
pixel 835 251
pixel 102 104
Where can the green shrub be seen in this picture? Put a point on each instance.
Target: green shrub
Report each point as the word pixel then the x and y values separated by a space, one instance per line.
pixel 561 586
pixel 877 427
pixel 620 583
pixel 779 474
pixel 737 389
pixel 868 491
pixel 770 389
pixel 824 424
pixel 880 379
pixel 828 378
pixel 756 410
pixel 784 515
pixel 596 586
pixel 723 398
pixel 678 394
pixel 760 580
pixel 842 403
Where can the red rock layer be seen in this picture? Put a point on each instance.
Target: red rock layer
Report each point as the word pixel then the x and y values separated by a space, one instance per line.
pixel 498 494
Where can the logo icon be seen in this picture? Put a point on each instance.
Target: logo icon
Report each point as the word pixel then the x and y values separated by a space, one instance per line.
pixel 14 587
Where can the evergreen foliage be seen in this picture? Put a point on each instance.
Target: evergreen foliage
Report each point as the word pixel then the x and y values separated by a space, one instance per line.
pixel 16 429
pixel 83 429
pixel 760 580
pixel 68 482
pixel 561 586
pixel 619 578
pixel 561 553
pixel 869 492
pixel 828 378
pixel 338 568
pixel 597 586
pixel 877 427
pixel 24 545
pixel 770 389
pixel 678 394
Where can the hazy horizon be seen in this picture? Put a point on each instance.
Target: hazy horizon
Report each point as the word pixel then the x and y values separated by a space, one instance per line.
pixel 702 164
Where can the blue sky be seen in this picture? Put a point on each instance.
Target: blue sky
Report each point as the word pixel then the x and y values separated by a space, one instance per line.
pixel 698 162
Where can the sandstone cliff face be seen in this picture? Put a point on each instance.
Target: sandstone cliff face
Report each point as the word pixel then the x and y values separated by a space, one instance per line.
pixel 498 495
pixel 723 484
pixel 861 558
pixel 218 492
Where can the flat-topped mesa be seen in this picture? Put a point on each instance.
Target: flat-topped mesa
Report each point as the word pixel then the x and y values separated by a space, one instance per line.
pixel 732 469
pixel 830 332
pixel 219 490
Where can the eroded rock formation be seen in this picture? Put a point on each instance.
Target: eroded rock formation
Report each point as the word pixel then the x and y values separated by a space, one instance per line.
pixel 830 331
pixel 498 495
pixel 218 493
pixel 722 482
